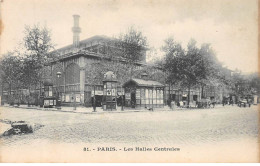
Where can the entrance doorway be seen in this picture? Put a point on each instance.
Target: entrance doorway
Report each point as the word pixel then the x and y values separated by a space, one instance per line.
pixel 133 99
pixel 195 97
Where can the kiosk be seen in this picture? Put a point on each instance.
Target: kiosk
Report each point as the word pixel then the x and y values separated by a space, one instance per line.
pixel 140 93
pixel 109 91
pixel 49 99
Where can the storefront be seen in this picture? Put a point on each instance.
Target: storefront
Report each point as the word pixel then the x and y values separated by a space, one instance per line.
pixel 141 93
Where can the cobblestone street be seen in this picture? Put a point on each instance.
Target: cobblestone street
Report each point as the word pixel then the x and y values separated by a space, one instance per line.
pixel 182 127
pixel 195 127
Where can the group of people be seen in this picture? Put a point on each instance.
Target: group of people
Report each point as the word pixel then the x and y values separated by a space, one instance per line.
pixel 197 104
pixel 227 102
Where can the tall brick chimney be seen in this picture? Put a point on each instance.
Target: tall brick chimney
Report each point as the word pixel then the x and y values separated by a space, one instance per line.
pixel 76 30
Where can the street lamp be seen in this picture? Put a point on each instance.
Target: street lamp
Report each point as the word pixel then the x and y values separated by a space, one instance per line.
pixel 94 96
pixel 122 100
pixel 58 91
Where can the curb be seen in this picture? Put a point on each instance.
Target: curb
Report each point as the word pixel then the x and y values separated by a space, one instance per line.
pixel 104 112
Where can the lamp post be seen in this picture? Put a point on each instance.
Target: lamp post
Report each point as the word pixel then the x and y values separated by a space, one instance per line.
pixel 94 96
pixel 58 91
pixel 122 100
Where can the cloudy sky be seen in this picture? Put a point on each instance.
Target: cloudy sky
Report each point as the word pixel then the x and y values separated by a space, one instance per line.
pixel 229 25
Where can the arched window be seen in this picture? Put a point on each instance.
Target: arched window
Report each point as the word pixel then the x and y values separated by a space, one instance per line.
pixel 72 74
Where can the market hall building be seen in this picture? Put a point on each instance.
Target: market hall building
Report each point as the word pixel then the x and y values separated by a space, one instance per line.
pixel 75 84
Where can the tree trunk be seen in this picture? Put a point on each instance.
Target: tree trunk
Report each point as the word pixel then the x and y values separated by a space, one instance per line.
pixel 189 95
pixel 122 100
pixel 10 93
pixel 29 96
pixel 170 97
pixel 2 94
pixel 40 91
pixel 19 96
pixel 202 91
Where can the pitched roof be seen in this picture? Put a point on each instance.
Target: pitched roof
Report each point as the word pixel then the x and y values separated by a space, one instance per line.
pixel 147 83
pixel 88 40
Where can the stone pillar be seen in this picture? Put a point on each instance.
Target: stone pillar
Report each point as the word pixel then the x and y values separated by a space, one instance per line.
pixel 82 79
pixel 64 78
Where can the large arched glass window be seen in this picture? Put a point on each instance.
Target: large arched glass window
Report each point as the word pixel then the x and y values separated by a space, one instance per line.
pixel 72 74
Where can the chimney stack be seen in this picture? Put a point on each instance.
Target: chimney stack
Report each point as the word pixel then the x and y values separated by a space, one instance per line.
pixel 76 30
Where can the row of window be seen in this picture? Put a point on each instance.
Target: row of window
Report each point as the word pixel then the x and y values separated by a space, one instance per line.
pixel 145 94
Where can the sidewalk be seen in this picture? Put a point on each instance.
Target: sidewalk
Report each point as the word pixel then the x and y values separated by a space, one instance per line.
pixel 99 110
pixel 89 110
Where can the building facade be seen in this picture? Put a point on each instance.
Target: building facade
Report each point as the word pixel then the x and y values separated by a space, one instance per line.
pixel 77 80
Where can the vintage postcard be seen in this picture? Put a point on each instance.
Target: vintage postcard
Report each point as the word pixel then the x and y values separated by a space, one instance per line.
pixel 129 81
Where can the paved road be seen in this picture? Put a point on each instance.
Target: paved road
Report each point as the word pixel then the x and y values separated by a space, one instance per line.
pixel 185 127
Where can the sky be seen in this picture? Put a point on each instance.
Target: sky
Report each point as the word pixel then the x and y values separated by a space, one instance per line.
pixel 229 25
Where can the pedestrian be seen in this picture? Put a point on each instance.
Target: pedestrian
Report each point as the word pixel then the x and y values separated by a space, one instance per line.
pixel 172 105
pixel 214 104
pixel 181 104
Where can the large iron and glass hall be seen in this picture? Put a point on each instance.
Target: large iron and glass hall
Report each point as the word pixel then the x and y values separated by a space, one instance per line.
pixel 77 82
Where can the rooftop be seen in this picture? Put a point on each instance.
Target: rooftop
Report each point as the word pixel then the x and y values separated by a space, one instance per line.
pixel 146 83
pixel 90 40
